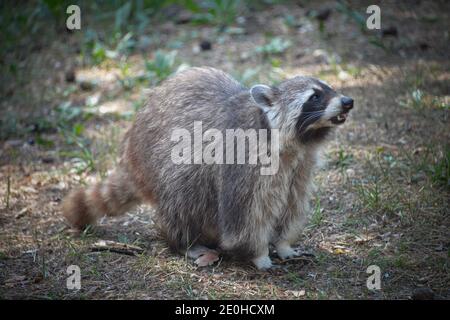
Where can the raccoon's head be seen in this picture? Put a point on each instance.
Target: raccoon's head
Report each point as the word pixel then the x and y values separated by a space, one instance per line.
pixel 303 108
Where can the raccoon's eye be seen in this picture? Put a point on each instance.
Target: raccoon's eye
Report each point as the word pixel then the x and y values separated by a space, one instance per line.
pixel 315 97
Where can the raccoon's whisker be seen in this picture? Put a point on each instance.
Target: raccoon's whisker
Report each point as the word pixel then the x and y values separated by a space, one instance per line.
pixel 311 113
pixel 312 117
pixel 315 111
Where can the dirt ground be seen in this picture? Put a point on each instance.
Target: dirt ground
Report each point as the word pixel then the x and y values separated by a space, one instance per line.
pixel 383 190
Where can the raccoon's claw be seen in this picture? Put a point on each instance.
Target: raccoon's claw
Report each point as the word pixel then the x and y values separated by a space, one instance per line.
pixel 290 253
pixel 263 263
pixel 274 269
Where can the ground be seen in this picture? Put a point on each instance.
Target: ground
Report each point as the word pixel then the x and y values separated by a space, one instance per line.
pixel 67 97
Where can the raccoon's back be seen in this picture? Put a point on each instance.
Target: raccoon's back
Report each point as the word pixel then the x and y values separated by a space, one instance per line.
pixel 194 95
pixel 194 90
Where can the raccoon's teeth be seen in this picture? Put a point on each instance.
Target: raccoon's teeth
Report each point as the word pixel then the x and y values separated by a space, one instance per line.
pixel 340 117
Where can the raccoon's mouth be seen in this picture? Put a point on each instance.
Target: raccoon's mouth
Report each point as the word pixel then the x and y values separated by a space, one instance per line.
pixel 339 119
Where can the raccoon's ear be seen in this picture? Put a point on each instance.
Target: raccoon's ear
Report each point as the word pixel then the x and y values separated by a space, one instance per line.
pixel 263 96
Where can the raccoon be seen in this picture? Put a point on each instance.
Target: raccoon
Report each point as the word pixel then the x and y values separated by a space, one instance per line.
pixel 207 209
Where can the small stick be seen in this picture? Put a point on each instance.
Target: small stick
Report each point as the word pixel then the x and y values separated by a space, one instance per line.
pixel 8 191
pixel 118 247
pixel 304 257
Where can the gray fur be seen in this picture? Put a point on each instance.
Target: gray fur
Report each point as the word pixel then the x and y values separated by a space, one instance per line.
pixel 230 207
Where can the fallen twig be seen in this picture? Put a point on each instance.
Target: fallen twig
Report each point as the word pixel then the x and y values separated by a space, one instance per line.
pixel 118 247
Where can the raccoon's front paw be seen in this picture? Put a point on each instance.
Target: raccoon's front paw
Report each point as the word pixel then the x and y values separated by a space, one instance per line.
pixel 262 263
pixel 285 251
pixel 288 253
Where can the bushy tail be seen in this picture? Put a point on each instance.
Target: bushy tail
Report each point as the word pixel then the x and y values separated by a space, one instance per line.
pixel 113 196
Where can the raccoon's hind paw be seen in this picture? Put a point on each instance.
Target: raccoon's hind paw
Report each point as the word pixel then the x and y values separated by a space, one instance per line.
pixel 203 256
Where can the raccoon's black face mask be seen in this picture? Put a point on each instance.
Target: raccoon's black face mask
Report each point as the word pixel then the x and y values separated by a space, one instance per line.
pixel 324 109
pixel 312 104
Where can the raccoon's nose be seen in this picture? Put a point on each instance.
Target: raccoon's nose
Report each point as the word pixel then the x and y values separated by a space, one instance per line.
pixel 347 103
